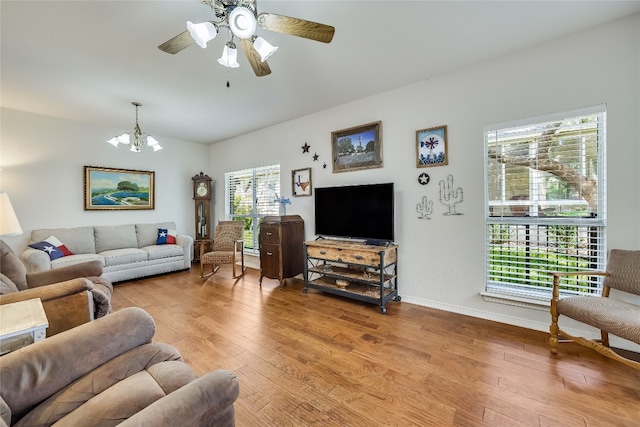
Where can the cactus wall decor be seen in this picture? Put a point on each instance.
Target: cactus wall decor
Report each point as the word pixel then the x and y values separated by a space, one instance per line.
pixel 449 196
pixel 425 209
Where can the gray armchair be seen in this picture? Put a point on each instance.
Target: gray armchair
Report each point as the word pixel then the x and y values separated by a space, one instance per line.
pixel 108 372
pixel 70 295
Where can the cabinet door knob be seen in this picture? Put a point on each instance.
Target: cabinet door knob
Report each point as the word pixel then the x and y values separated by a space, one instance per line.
pixel 269 253
pixel 323 252
pixel 359 257
pixel 269 233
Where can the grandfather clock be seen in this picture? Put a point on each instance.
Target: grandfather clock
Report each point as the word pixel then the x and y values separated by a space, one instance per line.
pixel 202 199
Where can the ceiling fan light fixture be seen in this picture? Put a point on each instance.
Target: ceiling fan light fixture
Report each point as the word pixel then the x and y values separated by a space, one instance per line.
pixel 202 33
pixel 137 139
pixel 264 48
pixel 229 56
pixel 242 22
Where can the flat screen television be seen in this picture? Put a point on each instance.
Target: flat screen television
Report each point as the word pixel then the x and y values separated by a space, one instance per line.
pixel 356 211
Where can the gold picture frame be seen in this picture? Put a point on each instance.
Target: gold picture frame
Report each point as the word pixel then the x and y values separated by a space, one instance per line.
pixel 357 148
pixel 431 147
pixel 301 182
pixel 118 189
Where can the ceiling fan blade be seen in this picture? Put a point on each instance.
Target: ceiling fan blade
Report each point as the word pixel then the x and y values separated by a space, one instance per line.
pixel 296 27
pixel 259 67
pixel 176 44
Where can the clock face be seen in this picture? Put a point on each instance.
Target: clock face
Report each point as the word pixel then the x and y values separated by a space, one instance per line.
pixel 202 189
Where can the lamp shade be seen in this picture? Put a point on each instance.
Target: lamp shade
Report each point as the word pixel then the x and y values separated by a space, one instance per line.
pixel 229 56
pixel 9 224
pixel 202 32
pixel 264 48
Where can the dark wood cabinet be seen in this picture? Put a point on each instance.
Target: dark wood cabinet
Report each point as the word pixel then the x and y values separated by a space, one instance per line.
pixel 281 247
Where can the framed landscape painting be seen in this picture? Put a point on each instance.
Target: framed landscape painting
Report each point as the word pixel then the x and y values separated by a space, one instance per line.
pixel 357 148
pixel 118 189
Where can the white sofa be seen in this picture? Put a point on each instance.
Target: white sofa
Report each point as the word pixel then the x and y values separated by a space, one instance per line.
pixel 126 251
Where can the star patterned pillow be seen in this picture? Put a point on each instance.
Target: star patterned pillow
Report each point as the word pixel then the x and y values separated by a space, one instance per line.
pixel 166 237
pixel 52 247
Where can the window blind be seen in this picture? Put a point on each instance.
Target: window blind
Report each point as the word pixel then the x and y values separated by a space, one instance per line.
pixel 545 201
pixel 250 196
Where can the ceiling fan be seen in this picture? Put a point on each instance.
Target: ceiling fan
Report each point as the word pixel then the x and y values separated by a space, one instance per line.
pixel 241 19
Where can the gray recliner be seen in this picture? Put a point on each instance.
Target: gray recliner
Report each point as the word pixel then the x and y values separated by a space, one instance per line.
pixel 108 372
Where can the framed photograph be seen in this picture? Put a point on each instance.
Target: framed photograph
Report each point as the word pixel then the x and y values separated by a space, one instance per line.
pixel 357 148
pixel 301 182
pixel 431 147
pixel 118 189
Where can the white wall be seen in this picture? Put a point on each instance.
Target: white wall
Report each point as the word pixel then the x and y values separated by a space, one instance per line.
pixel 441 261
pixel 43 158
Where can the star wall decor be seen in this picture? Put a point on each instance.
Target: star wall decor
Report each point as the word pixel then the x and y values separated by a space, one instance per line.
pixel 315 157
pixel 305 148
pixel 324 166
pixel 424 179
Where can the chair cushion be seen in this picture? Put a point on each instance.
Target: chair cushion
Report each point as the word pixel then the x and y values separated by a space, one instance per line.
pixel 616 317
pixel 6 285
pixel 12 267
pixel 219 257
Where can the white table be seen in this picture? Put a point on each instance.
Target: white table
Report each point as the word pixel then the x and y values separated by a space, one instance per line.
pixel 21 323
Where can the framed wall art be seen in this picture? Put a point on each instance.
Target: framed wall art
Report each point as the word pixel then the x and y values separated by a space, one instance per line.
pixel 431 147
pixel 118 189
pixel 357 148
pixel 301 182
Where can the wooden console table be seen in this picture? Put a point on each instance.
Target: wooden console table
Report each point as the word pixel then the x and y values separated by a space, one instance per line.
pixel 352 269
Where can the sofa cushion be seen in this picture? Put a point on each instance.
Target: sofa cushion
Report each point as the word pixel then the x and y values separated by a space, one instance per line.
pixel 76 259
pixel 148 233
pixel 79 240
pixel 115 237
pixel 124 256
pixel 163 251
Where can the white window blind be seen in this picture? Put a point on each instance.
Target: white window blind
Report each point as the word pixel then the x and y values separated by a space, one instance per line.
pixel 545 196
pixel 250 196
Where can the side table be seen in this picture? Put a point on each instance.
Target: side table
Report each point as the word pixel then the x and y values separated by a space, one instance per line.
pixel 204 245
pixel 21 323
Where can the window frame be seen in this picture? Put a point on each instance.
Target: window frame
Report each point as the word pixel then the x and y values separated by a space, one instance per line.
pixel 589 228
pixel 263 202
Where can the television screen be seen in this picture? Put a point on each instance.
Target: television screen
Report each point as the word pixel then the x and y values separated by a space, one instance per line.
pixel 355 211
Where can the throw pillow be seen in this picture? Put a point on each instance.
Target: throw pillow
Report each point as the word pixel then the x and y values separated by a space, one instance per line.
pixel 53 247
pixel 166 237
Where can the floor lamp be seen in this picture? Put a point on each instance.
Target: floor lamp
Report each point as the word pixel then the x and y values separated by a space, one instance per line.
pixel 9 224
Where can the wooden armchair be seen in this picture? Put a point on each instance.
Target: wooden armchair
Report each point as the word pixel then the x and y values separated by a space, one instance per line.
pixel 611 316
pixel 228 241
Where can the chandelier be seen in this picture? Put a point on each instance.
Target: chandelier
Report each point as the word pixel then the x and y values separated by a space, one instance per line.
pixel 137 139
pixel 241 23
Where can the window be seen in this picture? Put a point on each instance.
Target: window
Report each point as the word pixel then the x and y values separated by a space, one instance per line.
pixel 545 196
pixel 250 196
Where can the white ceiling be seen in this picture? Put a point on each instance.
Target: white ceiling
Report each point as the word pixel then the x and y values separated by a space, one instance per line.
pixel 87 60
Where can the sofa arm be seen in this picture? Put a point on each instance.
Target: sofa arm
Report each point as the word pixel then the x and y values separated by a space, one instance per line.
pixel 33 373
pixel 85 269
pixel 187 244
pixel 35 260
pixel 207 401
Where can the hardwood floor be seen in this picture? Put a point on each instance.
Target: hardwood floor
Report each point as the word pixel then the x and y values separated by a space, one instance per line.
pixel 317 359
